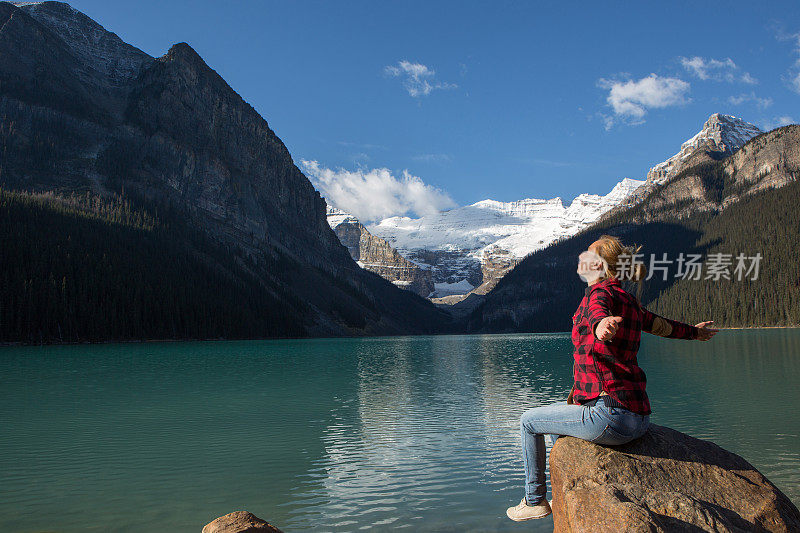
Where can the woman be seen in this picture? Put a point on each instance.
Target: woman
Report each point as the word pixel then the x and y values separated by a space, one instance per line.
pixel 607 403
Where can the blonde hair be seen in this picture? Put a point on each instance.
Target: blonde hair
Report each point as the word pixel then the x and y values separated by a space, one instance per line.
pixel 610 248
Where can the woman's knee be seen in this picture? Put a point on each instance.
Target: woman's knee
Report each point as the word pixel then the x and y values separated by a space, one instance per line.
pixel 523 420
pixel 528 418
pixel 535 416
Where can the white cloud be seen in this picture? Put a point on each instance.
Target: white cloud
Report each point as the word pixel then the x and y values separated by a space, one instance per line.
pixel 631 99
pixel 700 67
pixel 748 79
pixel 777 122
pixel 793 74
pixel 716 70
pixel 608 121
pixel 761 103
pixel 418 79
pixel 375 194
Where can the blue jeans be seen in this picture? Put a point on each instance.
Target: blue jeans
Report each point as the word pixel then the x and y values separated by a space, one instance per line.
pixel 595 423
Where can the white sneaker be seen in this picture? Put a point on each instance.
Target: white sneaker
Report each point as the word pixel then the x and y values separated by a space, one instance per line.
pixel 523 511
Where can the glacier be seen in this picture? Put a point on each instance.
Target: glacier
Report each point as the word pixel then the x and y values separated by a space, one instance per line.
pixel 519 227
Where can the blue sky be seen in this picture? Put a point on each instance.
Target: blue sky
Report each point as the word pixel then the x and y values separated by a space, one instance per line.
pixel 432 104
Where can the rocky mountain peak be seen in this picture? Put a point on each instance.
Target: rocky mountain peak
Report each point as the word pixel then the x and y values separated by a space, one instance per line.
pixel 376 255
pixel 721 133
pixel 728 133
pixel 337 216
pixel 182 52
pixel 90 42
pixel 88 69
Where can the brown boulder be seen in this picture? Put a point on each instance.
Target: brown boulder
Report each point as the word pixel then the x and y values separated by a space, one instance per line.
pixel 239 522
pixel 663 481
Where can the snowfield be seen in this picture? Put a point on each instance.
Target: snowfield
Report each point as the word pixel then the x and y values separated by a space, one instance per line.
pixel 489 226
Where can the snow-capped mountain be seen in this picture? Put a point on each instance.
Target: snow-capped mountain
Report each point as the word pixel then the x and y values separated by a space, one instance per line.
pixel 477 244
pixel 337 217
pixel 469 248
pixel 720 133
pixel 376 255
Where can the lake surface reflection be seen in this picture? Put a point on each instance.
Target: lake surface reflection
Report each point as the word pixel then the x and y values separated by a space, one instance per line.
pixel 418 433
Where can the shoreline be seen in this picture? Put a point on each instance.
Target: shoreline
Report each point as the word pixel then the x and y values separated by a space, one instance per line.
pixel 760 327
pixel 222 339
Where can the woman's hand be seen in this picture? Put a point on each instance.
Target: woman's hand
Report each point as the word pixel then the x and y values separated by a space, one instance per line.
pixel 705 332
pixel 607 328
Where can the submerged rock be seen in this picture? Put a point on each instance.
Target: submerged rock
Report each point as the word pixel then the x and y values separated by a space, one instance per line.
pixel 239 522
pixel 663 481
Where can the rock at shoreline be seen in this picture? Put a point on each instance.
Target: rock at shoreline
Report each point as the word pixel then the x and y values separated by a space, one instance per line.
pixel 239 522
pixel 663 481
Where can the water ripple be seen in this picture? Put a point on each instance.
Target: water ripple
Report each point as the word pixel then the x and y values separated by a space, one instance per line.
pixel 341 434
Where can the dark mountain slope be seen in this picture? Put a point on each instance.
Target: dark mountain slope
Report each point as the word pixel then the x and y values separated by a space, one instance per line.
pixel 81 111
pixel 44 74
pixel 82 268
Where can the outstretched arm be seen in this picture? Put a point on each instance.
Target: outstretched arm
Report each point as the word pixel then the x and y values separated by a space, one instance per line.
pixel 604 324
pixel 664 327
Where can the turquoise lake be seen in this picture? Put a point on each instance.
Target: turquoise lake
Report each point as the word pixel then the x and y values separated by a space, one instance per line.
pixel 416 433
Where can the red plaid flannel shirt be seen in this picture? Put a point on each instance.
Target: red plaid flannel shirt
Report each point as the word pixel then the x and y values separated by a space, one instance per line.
pixel 611 366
